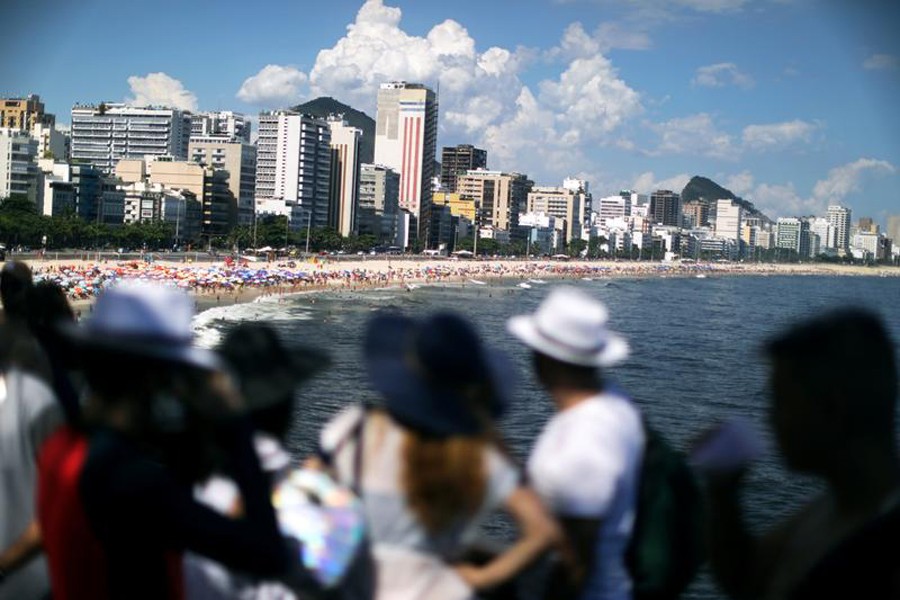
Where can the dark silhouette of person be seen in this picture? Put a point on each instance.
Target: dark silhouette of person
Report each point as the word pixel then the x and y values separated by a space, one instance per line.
pixel 834 388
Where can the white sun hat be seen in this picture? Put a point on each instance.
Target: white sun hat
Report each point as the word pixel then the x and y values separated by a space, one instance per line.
pixel 571 327
pixel 145 320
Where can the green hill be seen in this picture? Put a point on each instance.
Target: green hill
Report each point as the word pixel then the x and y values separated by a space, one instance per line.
pixel 324 106
pixel 701 187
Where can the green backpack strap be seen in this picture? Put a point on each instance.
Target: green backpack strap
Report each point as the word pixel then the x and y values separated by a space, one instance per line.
pixel 668 545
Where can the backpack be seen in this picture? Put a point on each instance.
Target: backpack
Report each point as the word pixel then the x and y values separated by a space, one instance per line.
pixel 668 545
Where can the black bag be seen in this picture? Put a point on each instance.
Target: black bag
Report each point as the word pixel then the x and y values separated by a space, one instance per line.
pixel 668 545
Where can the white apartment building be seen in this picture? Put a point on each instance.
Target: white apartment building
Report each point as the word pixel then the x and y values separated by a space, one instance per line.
pixel 406 140
pixel 223 123
pixel 612 207
pixel 728 220
pixel 293 167
pixel 236 157
pixel 103 135
pixel 839 218
pixel 52 143
pixel 19 174
pixel 344 185
pixel 562 204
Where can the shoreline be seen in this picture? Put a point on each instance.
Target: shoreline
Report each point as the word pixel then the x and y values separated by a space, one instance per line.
pixel 217 284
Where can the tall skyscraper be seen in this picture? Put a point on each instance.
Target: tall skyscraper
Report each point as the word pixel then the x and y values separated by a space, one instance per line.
pixel 793 234
pixel 839 218
pixel 103 135
pixel 406 141
pixel 457 160
pixel 344 183
pixel 665 207
pixel 293 166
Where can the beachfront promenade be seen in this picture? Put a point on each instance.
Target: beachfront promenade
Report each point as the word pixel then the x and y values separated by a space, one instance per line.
pixel 82 280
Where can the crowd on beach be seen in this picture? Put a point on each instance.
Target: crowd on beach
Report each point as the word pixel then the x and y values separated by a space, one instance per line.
pixel 84 280
pixel 138 465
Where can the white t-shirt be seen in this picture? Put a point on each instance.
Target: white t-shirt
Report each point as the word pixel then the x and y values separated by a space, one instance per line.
pixel 410 561
pixel 29 413
pixel 586 463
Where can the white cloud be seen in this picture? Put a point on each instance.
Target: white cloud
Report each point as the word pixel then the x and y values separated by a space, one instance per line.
pixel 694 134
pixel 578 43
pixel 274 86
pixel 720 75
pixel 881 62
pixel 590 98
pixel 845 179
pixel 741 184
pixel 778 135
pixel 482 98
pixel 158 89
pixel 647 182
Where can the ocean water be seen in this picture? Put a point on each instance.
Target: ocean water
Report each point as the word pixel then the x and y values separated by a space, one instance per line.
pixel 696 353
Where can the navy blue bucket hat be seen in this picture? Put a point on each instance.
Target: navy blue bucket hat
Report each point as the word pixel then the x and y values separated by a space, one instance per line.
pixel 435 375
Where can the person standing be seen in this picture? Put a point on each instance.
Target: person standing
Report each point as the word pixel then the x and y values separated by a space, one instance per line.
pixel 834 402
pixel 586 462
pixel 430 466
pixel 29 414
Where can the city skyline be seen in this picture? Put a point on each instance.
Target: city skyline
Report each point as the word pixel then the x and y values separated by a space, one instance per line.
pixel 788 103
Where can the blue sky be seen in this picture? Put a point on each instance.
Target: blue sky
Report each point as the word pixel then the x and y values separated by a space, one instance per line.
pixel 790 103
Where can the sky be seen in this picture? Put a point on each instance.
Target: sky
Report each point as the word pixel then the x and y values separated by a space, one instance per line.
pixel 791 104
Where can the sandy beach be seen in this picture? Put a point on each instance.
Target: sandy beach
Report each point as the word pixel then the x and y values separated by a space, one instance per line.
pixel 216 284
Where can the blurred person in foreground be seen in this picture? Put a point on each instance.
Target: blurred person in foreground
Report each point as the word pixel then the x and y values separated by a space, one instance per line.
pixel 268 375
pixel 29 414
pixel 586 462
pixel 834 387
pixel 118 511
pixel 30 417
pixel 431 468
pixel 23 349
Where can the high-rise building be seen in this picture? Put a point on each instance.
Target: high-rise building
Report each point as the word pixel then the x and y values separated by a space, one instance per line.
pixel 665 208
pixel 218 207
pixel 867 225
pixel 559 202
pixel 893 228
pixel 236 157
pixel 379 194
pixel 839 218
pixel 24 113
pixel 293 167
pixel 499 197
pixel 823 229
pixel 457 160
pixel 406 140
pixel 19 173
pixel 613 207
pixel 728 220
pixel 103 135
pixel 344 181
pixel 697 211
pixel 585 202
pixel 793 234
pixel 223 123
